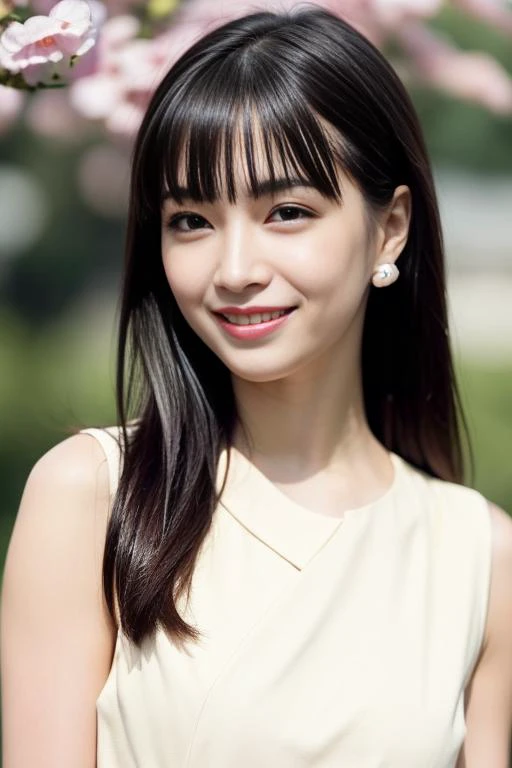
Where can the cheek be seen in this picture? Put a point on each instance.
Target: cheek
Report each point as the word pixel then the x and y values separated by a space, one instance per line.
pixel 188 286
pixel 183 277
pixel 340 263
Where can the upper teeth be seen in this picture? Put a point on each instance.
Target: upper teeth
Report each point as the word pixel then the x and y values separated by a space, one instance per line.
pixel 252 319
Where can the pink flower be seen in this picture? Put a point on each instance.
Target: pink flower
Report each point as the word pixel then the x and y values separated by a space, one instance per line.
pixel 129 69
pixel 492 12
pixel 50 114
pixel 96 94
pixel 42 42
pixel 393 12
pixel 473 76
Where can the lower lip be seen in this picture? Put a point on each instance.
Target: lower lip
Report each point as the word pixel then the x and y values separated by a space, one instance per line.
pixel 254 331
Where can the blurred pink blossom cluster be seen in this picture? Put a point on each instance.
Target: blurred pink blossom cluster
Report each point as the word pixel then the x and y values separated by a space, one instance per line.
pixel 119 50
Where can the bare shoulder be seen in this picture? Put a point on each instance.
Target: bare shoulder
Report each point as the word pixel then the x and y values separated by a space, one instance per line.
pixel 489 693
pixel 501 523
pixel 500 598
pixel 77 463
pixel 66 494
pixel 53 613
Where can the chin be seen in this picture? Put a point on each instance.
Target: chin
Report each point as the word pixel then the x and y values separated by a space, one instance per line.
pixel 258 377
pixel 262 373
pixel 258 365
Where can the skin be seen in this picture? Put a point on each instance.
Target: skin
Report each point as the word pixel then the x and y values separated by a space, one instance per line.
pixel 299 390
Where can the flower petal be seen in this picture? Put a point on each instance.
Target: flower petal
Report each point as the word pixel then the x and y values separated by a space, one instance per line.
pixel 74 11
pixel 86 46
pixel 37 27
pixel 12 39
pixel 74 30
pixel 72 45
pixel 55 56
pixel 7 62
pixel 31 54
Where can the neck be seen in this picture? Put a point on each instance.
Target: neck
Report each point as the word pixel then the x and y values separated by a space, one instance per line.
pixel 309 421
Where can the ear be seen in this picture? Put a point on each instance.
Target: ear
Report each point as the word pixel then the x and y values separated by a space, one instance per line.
pixel 393 227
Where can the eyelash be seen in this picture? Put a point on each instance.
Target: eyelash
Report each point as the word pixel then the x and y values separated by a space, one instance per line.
pixel 174 221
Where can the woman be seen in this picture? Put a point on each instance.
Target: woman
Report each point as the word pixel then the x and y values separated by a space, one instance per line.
pixel 294 574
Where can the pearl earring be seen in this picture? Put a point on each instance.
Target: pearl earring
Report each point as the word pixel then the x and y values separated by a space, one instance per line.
pixel 384 275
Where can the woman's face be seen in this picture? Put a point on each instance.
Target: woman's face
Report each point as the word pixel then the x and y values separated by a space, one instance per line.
pixel 233 267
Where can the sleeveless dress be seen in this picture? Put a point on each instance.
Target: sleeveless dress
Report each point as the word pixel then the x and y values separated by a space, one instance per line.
pixel 326 642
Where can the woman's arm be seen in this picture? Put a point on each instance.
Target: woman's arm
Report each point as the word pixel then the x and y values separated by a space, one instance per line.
pixel 57 638
pixel 489 696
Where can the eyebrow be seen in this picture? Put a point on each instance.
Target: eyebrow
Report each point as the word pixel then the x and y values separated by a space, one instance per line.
pixel 261 188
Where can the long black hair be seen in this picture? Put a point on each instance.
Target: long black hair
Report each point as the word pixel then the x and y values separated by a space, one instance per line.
pixel 321 95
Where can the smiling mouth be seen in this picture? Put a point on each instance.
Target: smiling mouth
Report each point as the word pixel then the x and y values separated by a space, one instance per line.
pixel 255 318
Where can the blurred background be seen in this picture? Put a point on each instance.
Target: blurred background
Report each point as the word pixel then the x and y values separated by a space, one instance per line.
pixel 64 167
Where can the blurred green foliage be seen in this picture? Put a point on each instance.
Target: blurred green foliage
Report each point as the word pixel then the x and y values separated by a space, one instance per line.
pixel 52 383
pixel 486 394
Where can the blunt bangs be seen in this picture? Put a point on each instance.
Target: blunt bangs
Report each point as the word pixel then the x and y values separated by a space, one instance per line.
pixel 238 109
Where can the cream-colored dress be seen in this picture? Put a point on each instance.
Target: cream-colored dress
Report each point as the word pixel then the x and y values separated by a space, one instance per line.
pixel 327 642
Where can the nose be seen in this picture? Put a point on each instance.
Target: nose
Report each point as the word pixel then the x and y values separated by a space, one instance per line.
pixel 241 262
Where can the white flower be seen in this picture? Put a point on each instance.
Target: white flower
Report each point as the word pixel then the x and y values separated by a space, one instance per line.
pixel 47 40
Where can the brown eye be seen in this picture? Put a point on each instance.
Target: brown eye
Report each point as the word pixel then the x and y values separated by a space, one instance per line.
pixel 291 213
pixel 187 222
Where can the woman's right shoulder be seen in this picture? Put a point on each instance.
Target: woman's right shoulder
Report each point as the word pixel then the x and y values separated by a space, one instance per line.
pixel 64 506
pixel 76 465
pixel 53 612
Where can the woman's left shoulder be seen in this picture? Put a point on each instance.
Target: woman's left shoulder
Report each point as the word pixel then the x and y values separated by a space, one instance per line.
pixel 499 623
pixel 489 694
pixel 501 524
pixel 499 610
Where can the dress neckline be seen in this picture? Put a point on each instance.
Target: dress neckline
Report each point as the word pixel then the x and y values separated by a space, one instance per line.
pixel 293 531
